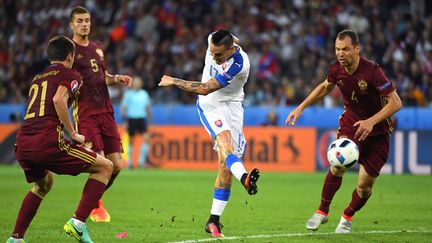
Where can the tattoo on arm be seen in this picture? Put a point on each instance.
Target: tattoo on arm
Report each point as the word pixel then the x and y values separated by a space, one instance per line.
pixel 190 86
pixel 196 87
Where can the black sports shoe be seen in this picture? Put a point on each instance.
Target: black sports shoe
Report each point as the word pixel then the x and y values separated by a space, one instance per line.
pixel 250 182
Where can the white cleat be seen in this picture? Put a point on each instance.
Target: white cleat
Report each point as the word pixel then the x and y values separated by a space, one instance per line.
pixel 316 220
pixel 344 226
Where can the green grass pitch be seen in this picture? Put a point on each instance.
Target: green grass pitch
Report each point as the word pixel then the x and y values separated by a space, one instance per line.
pixel 172 206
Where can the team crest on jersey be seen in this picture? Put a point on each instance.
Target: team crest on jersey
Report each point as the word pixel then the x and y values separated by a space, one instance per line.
pixel 100 52
pixel 74 86
pixel 218 123
pixel 79 56
pixel 362 85
pixel 340 82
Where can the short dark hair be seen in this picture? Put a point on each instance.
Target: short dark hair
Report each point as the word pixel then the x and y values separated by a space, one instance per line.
pixel 59 47
pixel 77 10
pixel 222 37
pixel 350 33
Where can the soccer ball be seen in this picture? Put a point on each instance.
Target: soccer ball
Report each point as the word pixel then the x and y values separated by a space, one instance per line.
pixel 343 152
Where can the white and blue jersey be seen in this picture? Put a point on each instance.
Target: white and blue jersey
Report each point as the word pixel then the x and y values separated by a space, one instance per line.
pixel 232 75
pixel 222 109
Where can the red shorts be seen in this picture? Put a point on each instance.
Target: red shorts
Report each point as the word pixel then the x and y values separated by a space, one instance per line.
pixel 101 133
pixel 374 151
pixel 67 158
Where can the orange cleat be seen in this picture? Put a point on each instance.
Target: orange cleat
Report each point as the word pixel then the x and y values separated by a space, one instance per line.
pixel 214 229
pixel 250 182
pixel 100 214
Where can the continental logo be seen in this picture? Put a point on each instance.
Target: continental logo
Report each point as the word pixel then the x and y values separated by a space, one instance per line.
pixel 276 149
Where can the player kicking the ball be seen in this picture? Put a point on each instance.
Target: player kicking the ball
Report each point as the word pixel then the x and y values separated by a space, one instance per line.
pixel 369 101
pixel 221 112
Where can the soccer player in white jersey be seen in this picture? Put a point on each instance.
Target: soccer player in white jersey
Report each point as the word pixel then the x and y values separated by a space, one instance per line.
pixel 220 96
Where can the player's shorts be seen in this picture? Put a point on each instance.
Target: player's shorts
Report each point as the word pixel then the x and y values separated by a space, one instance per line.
pixel 136 125
pixel 68 158
pixel 374 151
pixel 223 116
pixel 101 133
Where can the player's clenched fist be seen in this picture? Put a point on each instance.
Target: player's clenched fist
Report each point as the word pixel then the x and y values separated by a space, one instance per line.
pixel 166 81
pixel 78 138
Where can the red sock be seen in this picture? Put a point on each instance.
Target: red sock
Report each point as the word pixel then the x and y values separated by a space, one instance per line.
pixel 332 183
pixel 111 180
pixel 356 204
pixel 92 192
pixel 28 210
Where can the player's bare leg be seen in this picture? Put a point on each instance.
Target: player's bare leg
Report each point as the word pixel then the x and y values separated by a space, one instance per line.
pixel 100 173
pixel 30 206
pixel 99 213
pixel 331 185
pixel 229 164
pixel 222 192
pixel 360 195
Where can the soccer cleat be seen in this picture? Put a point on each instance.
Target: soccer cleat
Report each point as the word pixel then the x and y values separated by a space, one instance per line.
pixel 316 220
pixel 214 229
pixel 250 182
pixel 100 214
pixel 344 226
pixel 12 240
pixel 78 232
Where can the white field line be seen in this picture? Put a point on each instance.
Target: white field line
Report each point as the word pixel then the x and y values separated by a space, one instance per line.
pixel 287 235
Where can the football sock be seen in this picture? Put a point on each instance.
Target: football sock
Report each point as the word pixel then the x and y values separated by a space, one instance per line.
pixel 214 218
pixel 220 200
pixel 92 192
pixel 111 181
pixel 235 165
pixel 28 210
pixel 332 183
pixel 356 204
pixel 143 154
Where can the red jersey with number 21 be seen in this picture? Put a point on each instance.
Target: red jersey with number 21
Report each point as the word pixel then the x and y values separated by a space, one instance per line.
pixel 364 93
pixel 39 129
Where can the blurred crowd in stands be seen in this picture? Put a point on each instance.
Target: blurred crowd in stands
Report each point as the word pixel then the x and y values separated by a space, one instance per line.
pixel 290 43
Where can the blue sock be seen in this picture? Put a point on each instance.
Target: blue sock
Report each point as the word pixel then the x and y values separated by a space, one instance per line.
pixel 220 200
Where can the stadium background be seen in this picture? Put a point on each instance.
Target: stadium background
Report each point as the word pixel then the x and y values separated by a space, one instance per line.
pixel 290 44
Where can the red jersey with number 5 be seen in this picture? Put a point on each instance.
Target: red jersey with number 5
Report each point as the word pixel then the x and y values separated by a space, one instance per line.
pixel 39 129
pixel 364 93
pixel 93 97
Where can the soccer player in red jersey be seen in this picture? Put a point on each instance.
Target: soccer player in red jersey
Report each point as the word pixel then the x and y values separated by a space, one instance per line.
pixel 41 148
pixel 93 111
pixel 369 101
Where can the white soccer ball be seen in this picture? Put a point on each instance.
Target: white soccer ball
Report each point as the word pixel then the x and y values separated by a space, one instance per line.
pixel 343 152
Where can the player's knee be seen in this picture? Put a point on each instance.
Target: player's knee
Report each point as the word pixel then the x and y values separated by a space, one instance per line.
pixel 337 171
pixel 42 189
pixel 364 190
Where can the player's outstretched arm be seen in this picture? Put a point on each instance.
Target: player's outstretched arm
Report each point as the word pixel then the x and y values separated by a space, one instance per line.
pixel 317 94
pixel 191 86
pixel 116 79
pixel 60 100
pixel 365 127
